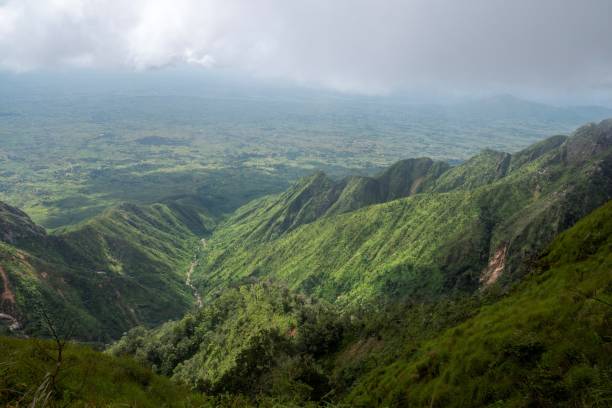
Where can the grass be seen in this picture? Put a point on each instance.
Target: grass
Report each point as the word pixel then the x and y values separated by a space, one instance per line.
pixel 87 378
pixel 122 268
pixel 546 343
pixel 428 244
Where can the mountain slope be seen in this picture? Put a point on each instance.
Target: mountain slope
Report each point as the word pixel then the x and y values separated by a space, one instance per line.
pixel 472 225
pixel 480 170
pixel 232 343
pixel 122 268
pixel 318 196
pixel 86 378
pixel 546 344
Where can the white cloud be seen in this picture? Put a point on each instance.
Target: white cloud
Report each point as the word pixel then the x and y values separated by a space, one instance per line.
pixel 363 45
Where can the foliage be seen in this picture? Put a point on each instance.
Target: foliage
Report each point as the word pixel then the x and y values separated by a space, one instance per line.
pixel 545 344
pixel 252 338
pixel 122 268
pixel 428 244
pixel 88 378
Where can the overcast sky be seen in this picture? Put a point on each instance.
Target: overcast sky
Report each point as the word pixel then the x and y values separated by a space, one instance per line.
pixel 559 47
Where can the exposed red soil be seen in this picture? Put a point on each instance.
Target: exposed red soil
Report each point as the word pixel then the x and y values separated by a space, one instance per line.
pixel 495 268
pixel 7 293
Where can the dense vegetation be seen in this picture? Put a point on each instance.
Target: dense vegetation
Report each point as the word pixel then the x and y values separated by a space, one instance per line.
pixel 232 343
pixel 547 343
pixel 124 267
pixel 544 343
pixel 85 378
pixel 467 226
pixel 488 283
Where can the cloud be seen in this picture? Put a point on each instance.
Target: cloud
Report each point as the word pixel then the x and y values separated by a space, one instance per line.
pixel 354 45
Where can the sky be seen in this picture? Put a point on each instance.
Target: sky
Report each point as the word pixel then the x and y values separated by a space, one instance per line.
pixel 549 48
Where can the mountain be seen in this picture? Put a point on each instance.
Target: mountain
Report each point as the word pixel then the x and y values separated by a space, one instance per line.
pixel 319 196
pixel 122 268
pixel 460 229
pixel 544 342
pixel 482 284
pixel 420 229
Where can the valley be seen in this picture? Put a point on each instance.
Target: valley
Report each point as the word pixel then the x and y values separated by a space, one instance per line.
pixel 305 204
pixel 423 284
pixel 189 279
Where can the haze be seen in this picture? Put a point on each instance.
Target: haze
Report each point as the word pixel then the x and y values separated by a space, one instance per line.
pixel 551 50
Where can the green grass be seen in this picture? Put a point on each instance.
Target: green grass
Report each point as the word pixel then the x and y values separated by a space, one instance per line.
pixel 87 378
pixel 547 343
pixel 122 268
pixel 428 244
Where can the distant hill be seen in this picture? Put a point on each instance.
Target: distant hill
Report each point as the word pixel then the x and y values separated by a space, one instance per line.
pixel 511 107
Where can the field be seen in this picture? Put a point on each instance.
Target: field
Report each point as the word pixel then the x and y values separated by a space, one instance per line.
pixel 69 149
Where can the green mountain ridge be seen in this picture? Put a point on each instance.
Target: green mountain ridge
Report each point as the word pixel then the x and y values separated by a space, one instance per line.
pixel 545 342
pixel 119 269
pixel 471 225
pixel 418 229
pixel 482 284
pixel 319 196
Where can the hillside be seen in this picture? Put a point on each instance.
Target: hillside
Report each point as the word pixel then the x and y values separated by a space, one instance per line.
pixel 470 226
pixel 486 283
pixel 122 268
pixel 543 343
pixel 319 196
pixel 86 378
pixel 232 343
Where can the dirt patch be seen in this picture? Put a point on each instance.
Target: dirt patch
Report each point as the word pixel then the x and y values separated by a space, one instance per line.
pixel 416 184
pixel 495 268
pixel 7 293
pixel 361 349
pixel 7 304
